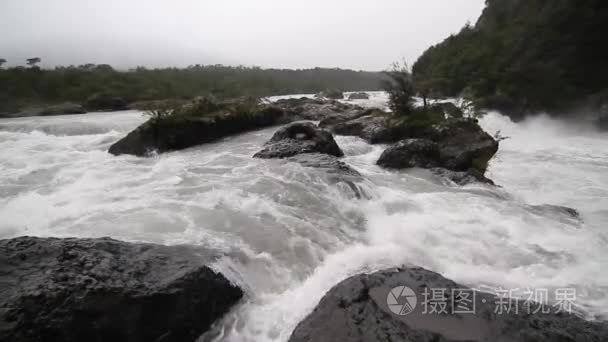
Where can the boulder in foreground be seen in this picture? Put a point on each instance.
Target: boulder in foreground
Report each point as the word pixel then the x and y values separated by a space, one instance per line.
pixel 107 290
pixel 361 309
pixel 298 138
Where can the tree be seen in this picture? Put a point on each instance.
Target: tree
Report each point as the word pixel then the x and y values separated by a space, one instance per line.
pixel 400 89
pixel 2 61
pixel 33 61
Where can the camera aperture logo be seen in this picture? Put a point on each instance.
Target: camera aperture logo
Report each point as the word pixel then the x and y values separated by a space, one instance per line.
pixel 401 300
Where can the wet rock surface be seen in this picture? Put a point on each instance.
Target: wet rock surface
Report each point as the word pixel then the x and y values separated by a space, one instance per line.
pixel 108 290
pixel 463 177
pixel 411 153
pixel 360 309
pixel 457 145
pixel 315 109
pixel 338 171
pixel 186 132
pixel 298 138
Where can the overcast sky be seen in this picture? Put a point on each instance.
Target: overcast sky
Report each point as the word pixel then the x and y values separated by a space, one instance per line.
pixel 358 34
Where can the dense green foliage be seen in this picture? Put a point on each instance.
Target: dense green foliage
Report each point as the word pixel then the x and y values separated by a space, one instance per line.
pixel 21 87
pixel 400 89
pixel 524 55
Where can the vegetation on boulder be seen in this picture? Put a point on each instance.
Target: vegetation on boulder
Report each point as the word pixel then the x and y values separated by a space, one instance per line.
pixel 200 121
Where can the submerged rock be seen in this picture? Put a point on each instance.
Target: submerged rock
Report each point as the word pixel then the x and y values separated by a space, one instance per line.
pixel 463 177
pixel 107 290
pixel 371 308
pixel 338 171
pixel 358 96
pixel 298 138
pixel 411 153
pixel 181 132
pixel 557 209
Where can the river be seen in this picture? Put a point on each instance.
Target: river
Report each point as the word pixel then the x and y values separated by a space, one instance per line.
pixel 289 234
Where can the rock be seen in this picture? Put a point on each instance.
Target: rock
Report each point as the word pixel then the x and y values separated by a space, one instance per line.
pixel 331 94
pixel 372 128
pixel 105 102
pixel 463 177
pixel 357 309
pixel 463 145
pixel 298 138
pixel 315 109
pixel 411 153
pixel 107 290
pixel 63 109
pixel 358 96
pixel 187 131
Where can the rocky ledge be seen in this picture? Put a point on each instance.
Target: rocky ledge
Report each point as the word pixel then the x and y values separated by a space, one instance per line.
pixel 372 308
pixel 193 127
pixel 107 290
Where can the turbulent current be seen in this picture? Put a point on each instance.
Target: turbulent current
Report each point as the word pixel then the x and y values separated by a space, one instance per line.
pixel 288 233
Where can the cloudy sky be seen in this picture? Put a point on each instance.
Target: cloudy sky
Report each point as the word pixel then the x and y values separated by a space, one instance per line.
pixel 359 34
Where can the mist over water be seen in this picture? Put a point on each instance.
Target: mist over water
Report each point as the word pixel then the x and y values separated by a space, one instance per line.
pixel 289 233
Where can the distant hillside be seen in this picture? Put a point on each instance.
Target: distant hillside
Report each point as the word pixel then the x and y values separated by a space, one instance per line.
pixel 21 87
pixel 525 55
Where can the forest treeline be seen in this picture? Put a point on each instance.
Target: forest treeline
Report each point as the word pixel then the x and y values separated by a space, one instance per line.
pixel 30 86
pixel 524 55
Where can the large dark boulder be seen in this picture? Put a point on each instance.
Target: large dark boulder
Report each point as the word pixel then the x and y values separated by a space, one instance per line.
pixel 181 132
pixel 107 290
pixel 357 310
pixel 298 138
pixel 459 145
pixel 464 145
pixel 105 102
pixel 411 153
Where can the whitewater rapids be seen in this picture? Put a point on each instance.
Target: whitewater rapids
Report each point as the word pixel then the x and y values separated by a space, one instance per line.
pixel 289 234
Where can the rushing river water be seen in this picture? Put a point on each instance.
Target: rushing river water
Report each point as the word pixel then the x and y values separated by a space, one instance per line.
pixel 289 234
